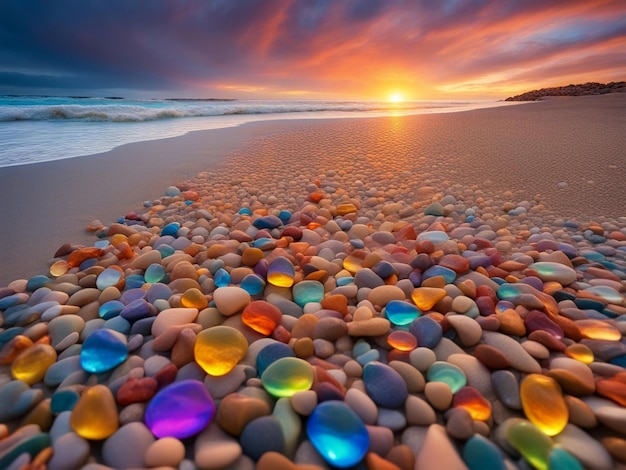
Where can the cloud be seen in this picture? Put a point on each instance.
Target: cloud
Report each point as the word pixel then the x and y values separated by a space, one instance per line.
pixel 322 47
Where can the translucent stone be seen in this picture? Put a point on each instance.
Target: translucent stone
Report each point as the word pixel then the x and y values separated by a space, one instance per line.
pixel 561 459
pixel 402 340
pixel 472 401
pixel 598 329
pixel 59 268
pixel 194 298
pixel 549 271
pixel 433 236
pixel 426 297
pixel 531 442
pixel 113 276
pixel 219 349
pixel 221 278
pixel 180 410
pixel 281 272
pixel 31 365
pixel 308 291
pixel 102 351
pixel 543 403
pixel 480 453
pixel 95 414
pixel 607 293
pixel 154 273
pixel 253 284
pixel 450 374
pixel 287 376
pixel 110 309
pixel 261 316
pixel 338 434
pixel 580 352
pixel 400 312
pixel 352 264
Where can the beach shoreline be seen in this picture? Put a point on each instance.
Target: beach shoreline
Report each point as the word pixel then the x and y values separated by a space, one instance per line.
pixel 499 150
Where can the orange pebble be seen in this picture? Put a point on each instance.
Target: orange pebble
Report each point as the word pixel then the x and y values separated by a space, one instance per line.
pixel 78 256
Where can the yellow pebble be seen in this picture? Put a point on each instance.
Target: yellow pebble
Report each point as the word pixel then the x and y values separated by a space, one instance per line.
pixel 95 414
pixel 31 365
pixel 543 403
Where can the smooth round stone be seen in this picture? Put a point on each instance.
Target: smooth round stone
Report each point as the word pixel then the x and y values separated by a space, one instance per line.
pixel 543 403
pixel 402 340
pixel 607 293
pixel 214 449
pixel 63 400
pixel 549 271
pixel 127 446
pixel 384 385
pixel 267 222
pixel 480 453
pixel 433 236
pixel 400 312
pixel 338 434
pixel 447 373
pixel 111 276
pixel 30 365
pixel 166 452
pixel 221 277
pixel 513 352
pixel 262 435
pixel 287 376
pixel 70 452
pixel 237 410
pixel 219 349
pixel 448 274
pixel 172 317
pixel 110 309
pixel 307 291
pixel 467 329
pixel 529 441
pixel 561 459
pixel 231 299
pixel 506 387
pixel 253 284
pixel 154 273
pixel 102 351
pixel 180 410
pixel 426 297
pixel 470 399
pixel 261 316
pixel 194 298
pixel 271 353
pixel 281 272
pixel 427 331
pixel 95 415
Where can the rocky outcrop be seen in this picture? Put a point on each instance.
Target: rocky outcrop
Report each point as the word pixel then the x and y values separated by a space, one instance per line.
pixel 589 88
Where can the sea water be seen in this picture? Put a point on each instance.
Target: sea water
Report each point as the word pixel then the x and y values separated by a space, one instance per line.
pixel 41 128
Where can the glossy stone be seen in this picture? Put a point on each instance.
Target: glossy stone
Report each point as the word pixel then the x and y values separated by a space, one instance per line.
pixel 154 273
pixel 281 272
pixel 426 297
pixel 219 349
pixel 338 434
pixel 549 271
pixel 180 410
pixel 479 453
pixel 95 414
pixel 447 373
pixel 113 276
pixel 384 385
pixel 261 316
pixel 194 298
pixel 30 365
pixel 102 351
pixel 307 291
pixel 471 400
pixel 543 403
pixel 561 459
pixel 531 442
pixel 253 284
pixel 400 312
pixel 287 376
pixel 110 309
pixel 427 331
pixel 402 340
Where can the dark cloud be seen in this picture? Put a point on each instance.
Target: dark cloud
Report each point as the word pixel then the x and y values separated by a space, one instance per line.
pixel 274 46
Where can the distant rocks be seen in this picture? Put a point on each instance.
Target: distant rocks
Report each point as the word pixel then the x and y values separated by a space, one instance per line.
pixel 589 88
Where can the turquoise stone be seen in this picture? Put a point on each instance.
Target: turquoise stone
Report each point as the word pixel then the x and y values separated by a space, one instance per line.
pixel 548 271
pixel 36 282
pixel 134 281
pixel 253 284
pixel 480 453
pixel 171 229
pixel 221 278
pixel 154 273
pixel 110 309
pixel 63 400
pixel 180 410
pixel 102 351
pixel 32 445
pixel 287 376
pixel 308 291
pixel 244 211
pixel 448 274
pixel 338 434
pixel 284 215
pixel 561 459
pixel 450 374
pixel 166 250
pixel 401 313
pixel 345 281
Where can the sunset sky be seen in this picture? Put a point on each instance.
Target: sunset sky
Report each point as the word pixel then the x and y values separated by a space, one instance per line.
pixel 308 49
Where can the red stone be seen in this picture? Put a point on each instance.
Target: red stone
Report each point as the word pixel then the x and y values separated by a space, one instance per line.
pixel 491 357
pixel 166 375
pixel 136 390
pixel 293 232
pixel 613 388
pixel 548 340
pixel 457 263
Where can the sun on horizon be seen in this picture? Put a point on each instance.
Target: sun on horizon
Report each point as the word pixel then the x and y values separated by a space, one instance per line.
pixel 395 98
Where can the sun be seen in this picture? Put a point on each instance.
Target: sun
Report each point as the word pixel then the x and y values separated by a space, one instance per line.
pixel 396 98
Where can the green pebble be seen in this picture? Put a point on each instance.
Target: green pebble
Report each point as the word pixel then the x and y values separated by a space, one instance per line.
pixel 531 442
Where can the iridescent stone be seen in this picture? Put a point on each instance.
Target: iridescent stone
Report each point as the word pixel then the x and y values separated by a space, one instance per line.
pixel 113 276
pixel 281 272
pixel 261 316
pixel 543 403
pixel 180 410
pixel 154 273
pixel 95 414
pixel 219 349
pixel 31 365
pixel 110 309
pixel 402 340
pixel 598 329
pixel 102 351
pixel 447 373
pixel 400 312
pixel 607 293
pixel 549 271
pixel 531 442
pixel 338 434
pixel 287 376
pixel 221 278
pixel 194 298
pixel 472 400
pixel 308 291
pixel 253 284
pixel 426 297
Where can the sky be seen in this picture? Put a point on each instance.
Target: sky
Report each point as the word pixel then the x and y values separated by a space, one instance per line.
pixel 308 49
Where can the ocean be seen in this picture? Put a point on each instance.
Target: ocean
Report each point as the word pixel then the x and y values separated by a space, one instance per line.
pixel 35 129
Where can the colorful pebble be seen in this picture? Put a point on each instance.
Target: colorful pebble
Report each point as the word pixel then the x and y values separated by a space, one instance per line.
pixel 102 351
pixel 219 349
pixel 543 403
pixel 287 376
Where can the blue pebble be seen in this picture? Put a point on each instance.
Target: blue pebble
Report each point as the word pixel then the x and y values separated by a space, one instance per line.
pixel 480 453
pixel 142 327
pixel 384 385
pixel 221 278
pixel 427 331
pixel 119 324
pixel 244 211
pixel 268 221
pixel 131 295
pixel 338 434
pixel 171 229
pixel 36 282
pixel 561 459
pixel 356 243
pixel 63 400
pixel 285 216
pixel 253 284
pixel 166 251
pixel 11 301
pixel 345 281
pixel 158 291
pixel 263 243
pixel 110 309
pixel 384 269
pixel 136 310
pixel 262 435
pixel 102 351
pixel 134 281
pixel 271 353
pixel 10 333
pixel 448 274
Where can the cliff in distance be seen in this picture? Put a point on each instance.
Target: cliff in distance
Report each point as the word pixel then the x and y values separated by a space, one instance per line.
pixel 589 88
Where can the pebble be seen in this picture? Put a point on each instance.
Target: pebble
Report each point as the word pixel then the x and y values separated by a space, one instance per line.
pixel 219 349
pixel 127 446
pixel 95 415
pixel 287 376
pixel 543 403
pixel 102 351
pixel 166 452
pixel 384 385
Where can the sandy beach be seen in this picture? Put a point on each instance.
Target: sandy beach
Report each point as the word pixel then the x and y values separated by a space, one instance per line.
pixel 564 153
pixel 418 292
